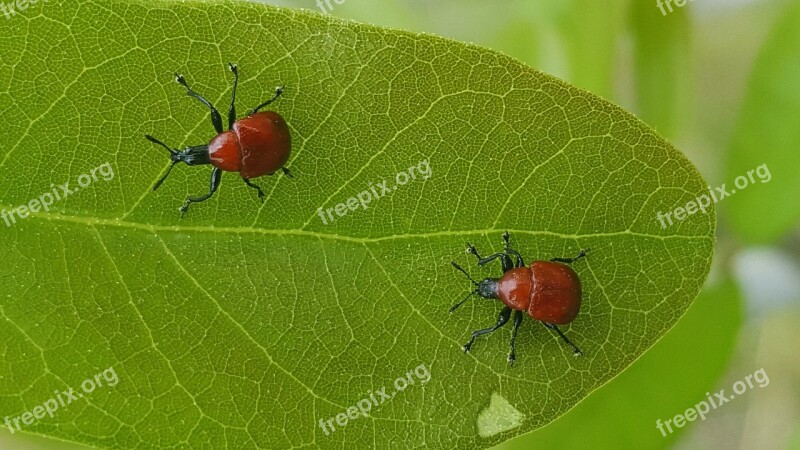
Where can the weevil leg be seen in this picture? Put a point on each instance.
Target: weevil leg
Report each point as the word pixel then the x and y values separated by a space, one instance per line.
pixel 502 319
pixel 278 93
pixel 518 316
pixel 575 348
pixel 511 251
pixel 505 260
pixel 216 176
pixel 216 119
pixel 254 186
pixel 232 108
pixel 571 260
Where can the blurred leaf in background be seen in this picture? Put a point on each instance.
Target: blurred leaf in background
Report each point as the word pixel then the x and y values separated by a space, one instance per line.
pixel 768 132
pixel 662 67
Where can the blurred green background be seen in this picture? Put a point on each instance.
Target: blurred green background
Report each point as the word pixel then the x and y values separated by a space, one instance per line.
pixel 721 80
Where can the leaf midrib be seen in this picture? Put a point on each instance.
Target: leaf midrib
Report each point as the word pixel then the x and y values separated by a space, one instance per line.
pixel 95 221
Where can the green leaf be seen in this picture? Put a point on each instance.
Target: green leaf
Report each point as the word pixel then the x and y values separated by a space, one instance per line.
pixel 759 213
pixel 671 377
pixel 244 324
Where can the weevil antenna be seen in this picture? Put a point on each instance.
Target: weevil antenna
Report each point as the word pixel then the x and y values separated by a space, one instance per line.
pixel 455 307
pixel 173 154
pixel 161 180
pixel 464 272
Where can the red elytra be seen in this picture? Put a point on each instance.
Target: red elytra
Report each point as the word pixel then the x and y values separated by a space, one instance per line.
pixel 256 145
pixel 548 291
